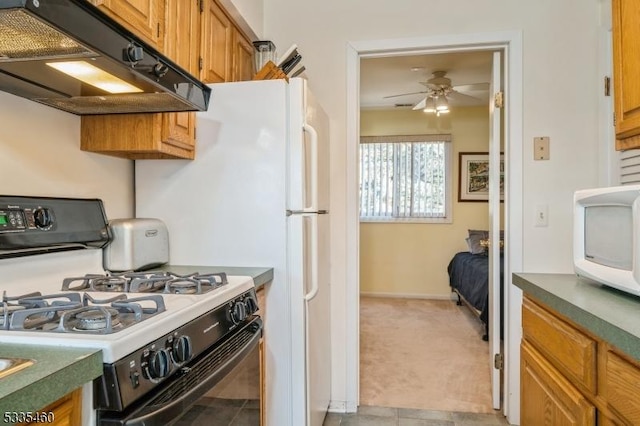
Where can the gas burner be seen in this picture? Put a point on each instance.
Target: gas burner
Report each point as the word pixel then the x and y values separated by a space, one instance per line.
pixel 96 318
pixel 94 282
pixel 147 282
pixel 84 314
pixel 183 286
pixel 118 284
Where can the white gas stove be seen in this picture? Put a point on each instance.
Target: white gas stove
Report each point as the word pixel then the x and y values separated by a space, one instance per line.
pixel 156 329
pixel 122 338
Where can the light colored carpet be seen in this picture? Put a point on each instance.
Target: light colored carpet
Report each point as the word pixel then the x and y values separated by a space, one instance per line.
pixel 423 354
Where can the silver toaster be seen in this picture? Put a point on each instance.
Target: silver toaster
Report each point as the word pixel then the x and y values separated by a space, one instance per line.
pixel 137 244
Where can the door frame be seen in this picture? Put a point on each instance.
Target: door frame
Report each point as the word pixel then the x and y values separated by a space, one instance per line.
pixel 510 43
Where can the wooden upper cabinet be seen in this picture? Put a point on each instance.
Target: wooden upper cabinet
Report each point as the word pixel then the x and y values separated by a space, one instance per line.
pixel 167 135
pixel 182 44
pixel 145 18
pixel 626 69
pixel 216 43
pixel 202 39
pixel 243 64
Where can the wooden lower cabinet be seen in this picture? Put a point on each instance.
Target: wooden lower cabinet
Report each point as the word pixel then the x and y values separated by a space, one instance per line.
pixel 550 398
pixel 600 387
pixel 67 411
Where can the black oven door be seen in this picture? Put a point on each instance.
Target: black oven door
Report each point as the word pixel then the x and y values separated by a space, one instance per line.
pixel 220 387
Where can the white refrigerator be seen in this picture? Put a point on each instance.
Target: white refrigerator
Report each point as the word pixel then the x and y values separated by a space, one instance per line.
pixel 257 194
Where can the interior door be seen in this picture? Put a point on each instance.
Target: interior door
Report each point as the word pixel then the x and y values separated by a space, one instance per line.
pixel 495 183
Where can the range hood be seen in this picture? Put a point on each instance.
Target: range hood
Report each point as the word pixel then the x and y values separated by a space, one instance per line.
pixel 44 42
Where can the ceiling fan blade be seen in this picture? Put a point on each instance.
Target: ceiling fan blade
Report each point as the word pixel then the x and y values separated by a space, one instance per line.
pixel 471 87
pixel 456 94
pixel 405 94
pixel 420 105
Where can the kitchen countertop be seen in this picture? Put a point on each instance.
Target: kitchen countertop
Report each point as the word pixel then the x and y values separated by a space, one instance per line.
pixel 261 276
pixel 56 372
pixel 610 314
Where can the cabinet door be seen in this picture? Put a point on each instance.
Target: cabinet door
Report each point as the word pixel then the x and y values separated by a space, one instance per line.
pixel 67 411
pixel 216 44
pixel 622 385
pixel 570 351
pixel 547 398
pixel 144 18
pixel 182 46
pixel 626 68
pixel 243 65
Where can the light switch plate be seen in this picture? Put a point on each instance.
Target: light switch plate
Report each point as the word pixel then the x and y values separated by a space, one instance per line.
pixel 541 148
pixel 542 213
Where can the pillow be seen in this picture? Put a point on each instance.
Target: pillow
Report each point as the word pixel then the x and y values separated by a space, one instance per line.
pixel 477 241
pixel 473 241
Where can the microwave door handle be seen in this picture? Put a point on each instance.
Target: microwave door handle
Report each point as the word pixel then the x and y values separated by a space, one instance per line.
pixel 313 175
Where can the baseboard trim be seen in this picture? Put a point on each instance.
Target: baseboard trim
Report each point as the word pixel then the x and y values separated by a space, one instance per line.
pixel 342 407
pixel 451 296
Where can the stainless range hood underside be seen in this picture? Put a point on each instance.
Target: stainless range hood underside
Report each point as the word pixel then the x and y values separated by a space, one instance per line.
pixel 29 45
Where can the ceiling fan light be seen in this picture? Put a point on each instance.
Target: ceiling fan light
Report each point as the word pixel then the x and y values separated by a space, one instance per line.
pixel 442 104
pixel 430 105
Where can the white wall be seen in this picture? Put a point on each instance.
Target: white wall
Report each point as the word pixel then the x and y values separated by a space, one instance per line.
pixel 248 14
pixel 560 87
pixel 40 156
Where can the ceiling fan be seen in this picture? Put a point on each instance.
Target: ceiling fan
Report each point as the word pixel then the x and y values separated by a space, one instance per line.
pixel 439 89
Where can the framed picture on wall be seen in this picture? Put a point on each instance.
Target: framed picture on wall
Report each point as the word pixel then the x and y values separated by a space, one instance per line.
pixel 473 176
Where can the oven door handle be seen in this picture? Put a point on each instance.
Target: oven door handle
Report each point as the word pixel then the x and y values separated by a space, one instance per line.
pixel 170 411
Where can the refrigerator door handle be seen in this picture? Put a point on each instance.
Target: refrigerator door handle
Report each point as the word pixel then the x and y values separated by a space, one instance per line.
pixel 313 253
pixel 313 176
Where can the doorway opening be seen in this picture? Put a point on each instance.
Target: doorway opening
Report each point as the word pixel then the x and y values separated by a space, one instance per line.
pixel 419 348
pixel 510 44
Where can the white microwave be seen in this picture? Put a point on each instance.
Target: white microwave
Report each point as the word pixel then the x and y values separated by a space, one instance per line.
pixel 606 236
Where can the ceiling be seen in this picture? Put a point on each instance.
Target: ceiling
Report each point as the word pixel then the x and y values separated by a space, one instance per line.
pixel 382 77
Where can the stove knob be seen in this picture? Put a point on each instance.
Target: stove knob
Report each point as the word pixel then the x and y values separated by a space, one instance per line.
pixel 252 305
pixel 42 218
pixel 159 364
pixel 238 312
pixel 181 350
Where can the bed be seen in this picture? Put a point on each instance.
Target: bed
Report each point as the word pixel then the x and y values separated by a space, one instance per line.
pixel 469 279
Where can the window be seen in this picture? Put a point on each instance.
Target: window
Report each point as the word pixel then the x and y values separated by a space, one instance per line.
pixel 405 178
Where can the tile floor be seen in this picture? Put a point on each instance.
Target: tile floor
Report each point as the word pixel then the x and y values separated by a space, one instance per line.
pixel 385 416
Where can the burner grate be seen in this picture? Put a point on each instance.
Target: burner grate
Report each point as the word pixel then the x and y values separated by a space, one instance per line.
pixel 147 282
pixel 69 312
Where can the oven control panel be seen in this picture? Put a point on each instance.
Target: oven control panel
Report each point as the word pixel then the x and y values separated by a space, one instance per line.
pixel 19 219
pixel 127 379
pixel 29 224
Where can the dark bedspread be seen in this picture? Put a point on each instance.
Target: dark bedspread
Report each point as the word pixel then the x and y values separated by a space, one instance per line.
pixel 469 275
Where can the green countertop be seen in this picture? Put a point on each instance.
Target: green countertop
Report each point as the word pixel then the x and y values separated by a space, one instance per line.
pixel 610 314
pixel 261 276
pixel 56 372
